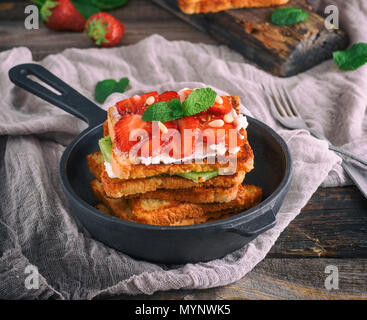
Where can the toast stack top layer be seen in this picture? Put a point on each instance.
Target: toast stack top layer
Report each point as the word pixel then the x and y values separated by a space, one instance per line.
pixel 125 168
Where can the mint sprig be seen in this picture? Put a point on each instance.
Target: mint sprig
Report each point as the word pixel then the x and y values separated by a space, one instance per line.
pixel 198 101
pixel 106 87
pixel 163 111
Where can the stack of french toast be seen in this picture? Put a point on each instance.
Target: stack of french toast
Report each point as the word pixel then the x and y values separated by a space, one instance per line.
pixel 176 158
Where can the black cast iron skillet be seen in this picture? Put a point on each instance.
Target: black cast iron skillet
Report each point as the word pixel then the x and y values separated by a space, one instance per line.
pixel 163 244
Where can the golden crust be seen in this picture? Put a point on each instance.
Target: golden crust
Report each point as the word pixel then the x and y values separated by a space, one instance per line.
pixel 119 207
pixel 204 6
pixel 95 164
pixel 194 195
pixel 163 212
pixel 117 188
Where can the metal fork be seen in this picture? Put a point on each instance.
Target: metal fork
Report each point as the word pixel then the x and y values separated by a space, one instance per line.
pixel 285 111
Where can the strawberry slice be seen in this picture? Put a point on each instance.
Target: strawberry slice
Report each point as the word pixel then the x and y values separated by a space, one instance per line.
pixel 152 147
pixel 221 109
pixel 125 106
pixel 128 130
pixel 144 97
pixel 136 104
pixel 189 130
pixel 184 94
pixel 222 134
pixel 168 96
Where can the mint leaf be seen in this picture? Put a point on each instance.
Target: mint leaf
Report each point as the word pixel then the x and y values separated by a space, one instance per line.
pixel 288 16
pixel 176 106
pixel 163 111
pixel 108 4
pixel 106 87
pixel 351 58
pixel 122 85
pixel 105 144
pixel 85 8
pixel 199 100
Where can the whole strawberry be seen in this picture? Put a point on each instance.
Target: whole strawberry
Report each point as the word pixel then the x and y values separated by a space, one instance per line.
pixel 104 29
pixel 61 15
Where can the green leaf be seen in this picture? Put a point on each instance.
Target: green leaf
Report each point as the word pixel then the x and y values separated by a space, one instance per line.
pixel 105 144
pixel 45 7
pixel 199 100
pixel 108 4
pixel 351 58
pixel 122 85
pixel 39 3
pixel 85 8
pixel 288 16
pixel 198 176
pixel 163 111
pixel 106 87
pixel 176 106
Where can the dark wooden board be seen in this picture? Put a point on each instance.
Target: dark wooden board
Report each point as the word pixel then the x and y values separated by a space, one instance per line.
pixel 283 51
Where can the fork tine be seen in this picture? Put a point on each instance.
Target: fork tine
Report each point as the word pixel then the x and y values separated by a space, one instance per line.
pixel 280 106
pixel 292 105
pixel 285 102
pixel 277 114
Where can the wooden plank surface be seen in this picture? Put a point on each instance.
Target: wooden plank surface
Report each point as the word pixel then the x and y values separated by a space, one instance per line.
pixel 284 279
pixel 330 230
pixel 281 50
pixel 141 19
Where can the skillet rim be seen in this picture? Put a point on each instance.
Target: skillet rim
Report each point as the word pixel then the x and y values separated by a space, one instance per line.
pixel 226 223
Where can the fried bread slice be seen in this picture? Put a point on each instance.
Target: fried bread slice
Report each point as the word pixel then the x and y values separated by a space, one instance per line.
pixel 163 212
pixel 194 195
pixel 203 6
pixel 124 168
pixel 117 188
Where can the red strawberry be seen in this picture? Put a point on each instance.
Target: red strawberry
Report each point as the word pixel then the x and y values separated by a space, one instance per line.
pixel 144 97
pixel 61 15
pixel 221 134
pixel 164 140
pixel 184 94
pixel 221 109
pixel 136 104
pixel 168 96
pixel 125 106
pixel 127 131
pixel 104 29
pixel 188 138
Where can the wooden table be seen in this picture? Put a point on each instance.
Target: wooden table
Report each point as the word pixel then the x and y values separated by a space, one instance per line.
pixel 331 230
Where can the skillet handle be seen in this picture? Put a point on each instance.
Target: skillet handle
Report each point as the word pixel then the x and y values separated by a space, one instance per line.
pixel 256 226
pixel 69 99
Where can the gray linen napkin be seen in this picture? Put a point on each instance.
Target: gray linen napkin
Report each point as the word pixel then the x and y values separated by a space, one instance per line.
pixel 36 226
